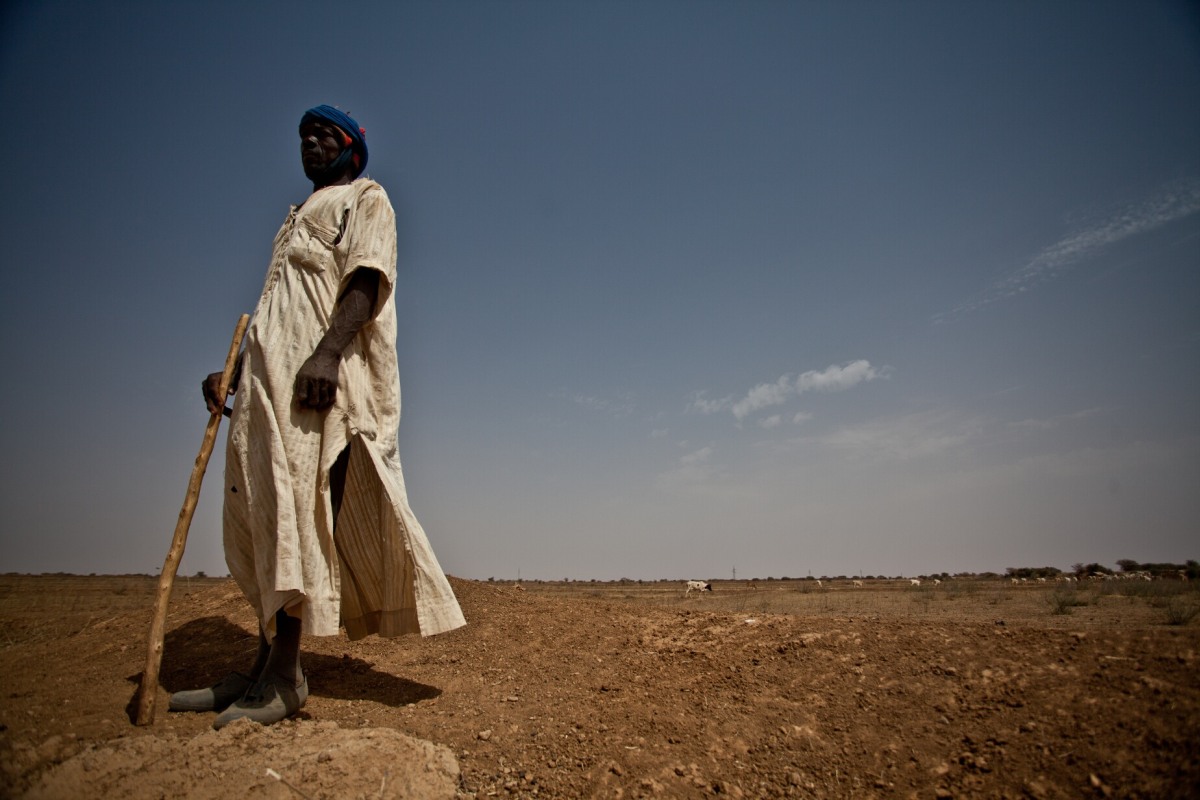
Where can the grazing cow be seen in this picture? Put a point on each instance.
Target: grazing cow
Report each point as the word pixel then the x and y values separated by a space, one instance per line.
pixel 914 582
pixel 818 584
pixel 1015 581
pixel 857 584
pixel 699 586
pixel 937 582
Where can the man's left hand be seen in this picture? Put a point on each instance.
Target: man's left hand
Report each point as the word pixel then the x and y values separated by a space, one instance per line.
pixel 317 381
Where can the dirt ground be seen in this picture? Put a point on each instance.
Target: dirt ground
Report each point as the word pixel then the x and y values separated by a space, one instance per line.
pixel 972 689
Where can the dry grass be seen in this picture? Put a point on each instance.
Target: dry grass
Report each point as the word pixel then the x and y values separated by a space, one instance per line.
pixel 1134 603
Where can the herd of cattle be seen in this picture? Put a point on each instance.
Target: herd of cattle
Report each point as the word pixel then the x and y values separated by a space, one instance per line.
pixel 706 586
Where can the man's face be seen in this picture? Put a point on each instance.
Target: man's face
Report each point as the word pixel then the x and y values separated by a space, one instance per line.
pixel 320 145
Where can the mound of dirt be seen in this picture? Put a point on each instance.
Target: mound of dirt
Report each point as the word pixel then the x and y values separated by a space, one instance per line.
pixel 293 759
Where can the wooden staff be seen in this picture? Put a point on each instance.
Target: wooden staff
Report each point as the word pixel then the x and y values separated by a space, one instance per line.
pixel 148 689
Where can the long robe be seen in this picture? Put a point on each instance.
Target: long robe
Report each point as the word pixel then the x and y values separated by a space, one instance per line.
pixel 379 573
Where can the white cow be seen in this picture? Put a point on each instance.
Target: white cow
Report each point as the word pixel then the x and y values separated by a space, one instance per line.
pixel 699 586
pixel 937 582
pixel 914 582
pixel 857 584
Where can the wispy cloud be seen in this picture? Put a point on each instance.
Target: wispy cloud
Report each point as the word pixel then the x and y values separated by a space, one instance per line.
pixel 764 395
pixel 834 378
pixel 692 468
pixel 1172 202
pixel 619 406
pixel 703 405
pixel 1051 423
pixel 904 438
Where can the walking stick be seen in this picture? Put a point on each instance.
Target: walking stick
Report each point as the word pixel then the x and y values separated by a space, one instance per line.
pixel 148 688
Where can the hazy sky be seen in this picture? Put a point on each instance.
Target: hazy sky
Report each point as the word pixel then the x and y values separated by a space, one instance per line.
pixel 804 287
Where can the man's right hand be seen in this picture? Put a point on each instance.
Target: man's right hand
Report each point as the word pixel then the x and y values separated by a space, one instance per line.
pixel 211 387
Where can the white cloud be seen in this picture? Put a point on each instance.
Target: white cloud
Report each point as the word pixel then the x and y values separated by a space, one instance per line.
pixel 801 416
pixel 764 395
pixel 1172 202
pixel 705 406
pixel 834 378
pixel 658 433
pixel 773 421
pixel 692 469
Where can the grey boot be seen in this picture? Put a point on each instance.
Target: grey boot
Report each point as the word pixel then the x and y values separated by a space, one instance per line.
pixel 281 689
pixel 216 698
pixel 229 689
pixel 269 700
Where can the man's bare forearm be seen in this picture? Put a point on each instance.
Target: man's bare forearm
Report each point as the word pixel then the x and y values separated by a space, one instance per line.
pixel 317 381
pixel 355 308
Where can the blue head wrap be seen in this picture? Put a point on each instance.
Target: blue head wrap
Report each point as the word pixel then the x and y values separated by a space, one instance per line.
pixel 355 155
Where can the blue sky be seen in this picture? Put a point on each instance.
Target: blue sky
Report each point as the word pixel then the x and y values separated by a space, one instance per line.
pixel 789 288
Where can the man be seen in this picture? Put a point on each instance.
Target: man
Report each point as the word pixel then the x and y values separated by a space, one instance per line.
pixel 317 525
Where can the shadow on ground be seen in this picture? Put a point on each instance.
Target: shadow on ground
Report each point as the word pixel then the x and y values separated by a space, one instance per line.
pixel 202 651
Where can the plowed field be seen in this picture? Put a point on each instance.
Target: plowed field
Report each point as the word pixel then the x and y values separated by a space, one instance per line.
pixel 970 689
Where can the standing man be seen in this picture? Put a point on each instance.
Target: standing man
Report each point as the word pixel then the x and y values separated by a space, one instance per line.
pixel 317 527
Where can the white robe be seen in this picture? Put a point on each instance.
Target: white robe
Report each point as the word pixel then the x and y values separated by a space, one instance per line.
pixel 380 575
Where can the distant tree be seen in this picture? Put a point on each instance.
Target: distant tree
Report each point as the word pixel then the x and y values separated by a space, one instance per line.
pixel 1033 572
pixel 200 574
pixel 1163 569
